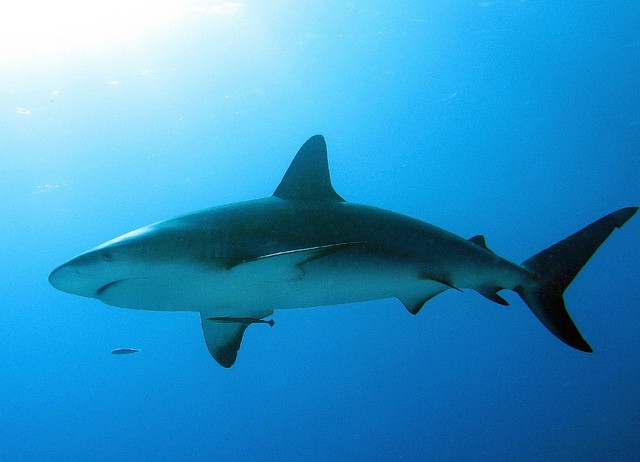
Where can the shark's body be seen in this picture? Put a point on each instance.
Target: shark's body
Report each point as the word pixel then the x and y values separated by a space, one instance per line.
pixel 305 246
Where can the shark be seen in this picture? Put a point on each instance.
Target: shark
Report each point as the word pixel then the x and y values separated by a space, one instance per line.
pixel 305 246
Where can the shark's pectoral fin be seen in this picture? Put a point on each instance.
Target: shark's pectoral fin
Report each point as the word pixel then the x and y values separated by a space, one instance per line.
pixel 223 338
pixel 286 265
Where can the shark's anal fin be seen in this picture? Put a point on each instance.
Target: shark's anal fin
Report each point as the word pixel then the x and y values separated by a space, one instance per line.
pixel 223 338
pixel 491 293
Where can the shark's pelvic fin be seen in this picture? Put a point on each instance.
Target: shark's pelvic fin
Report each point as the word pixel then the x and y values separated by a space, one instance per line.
pixel 414 303
pixel 308 175
pixel 223 338
pixel 555 268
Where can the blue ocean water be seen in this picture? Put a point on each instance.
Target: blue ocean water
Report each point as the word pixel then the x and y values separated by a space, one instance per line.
pixel 519 120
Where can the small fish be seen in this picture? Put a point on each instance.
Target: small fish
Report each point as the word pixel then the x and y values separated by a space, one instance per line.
pixel 124 351
pixel 246 321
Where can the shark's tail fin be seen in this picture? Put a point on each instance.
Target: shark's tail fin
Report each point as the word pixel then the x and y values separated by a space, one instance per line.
pixel 555 268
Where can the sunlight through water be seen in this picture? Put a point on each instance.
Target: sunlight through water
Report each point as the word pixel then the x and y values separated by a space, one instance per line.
pixel 43 28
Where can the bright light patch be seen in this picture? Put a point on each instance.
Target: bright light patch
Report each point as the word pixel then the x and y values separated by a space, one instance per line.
pixel 40 27
pixel 227 9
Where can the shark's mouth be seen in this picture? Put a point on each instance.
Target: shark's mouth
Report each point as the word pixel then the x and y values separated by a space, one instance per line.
pixel 135 292
pixel 112 286
pixel 109 285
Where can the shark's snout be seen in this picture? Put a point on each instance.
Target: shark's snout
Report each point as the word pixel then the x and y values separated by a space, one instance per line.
pixel 65 278
pixel 74 279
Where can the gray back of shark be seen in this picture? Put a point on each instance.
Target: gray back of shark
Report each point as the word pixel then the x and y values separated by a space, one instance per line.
pixel 306 246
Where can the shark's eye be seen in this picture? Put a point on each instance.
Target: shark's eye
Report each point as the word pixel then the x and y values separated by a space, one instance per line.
pixel 106 256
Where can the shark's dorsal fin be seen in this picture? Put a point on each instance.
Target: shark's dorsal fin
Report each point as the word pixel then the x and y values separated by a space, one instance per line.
pixel 307 177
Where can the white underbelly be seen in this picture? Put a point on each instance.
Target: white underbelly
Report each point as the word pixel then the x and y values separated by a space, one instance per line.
pixel 267 285
pixel 291 280
pixel 317 289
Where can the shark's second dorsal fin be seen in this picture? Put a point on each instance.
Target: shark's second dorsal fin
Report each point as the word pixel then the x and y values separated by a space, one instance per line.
pixel 480 241
pixel 308 175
